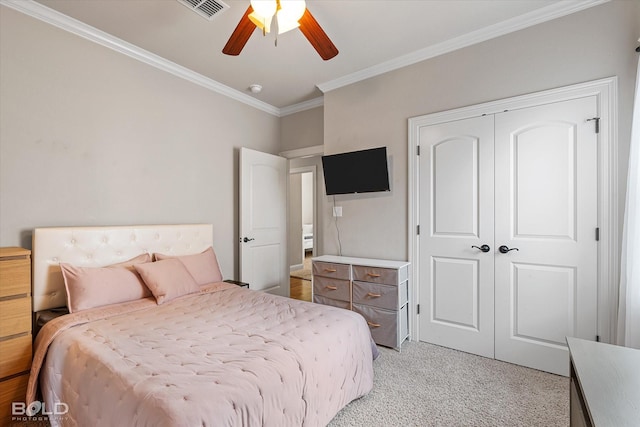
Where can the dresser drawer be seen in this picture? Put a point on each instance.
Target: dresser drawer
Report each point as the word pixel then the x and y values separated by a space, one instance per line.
pixel 327 269
pixel 385 325
pixel 13 390
pixel 337 289
pixel 16 355
pixel 318 299
pixel 382 296
pixel 382 323
pixel 386 276
pixel 15 316
pixel 15 275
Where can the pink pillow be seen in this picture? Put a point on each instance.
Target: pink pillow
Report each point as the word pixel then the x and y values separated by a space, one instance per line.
pixel 89 287
pixel 167 279
pixel 203 266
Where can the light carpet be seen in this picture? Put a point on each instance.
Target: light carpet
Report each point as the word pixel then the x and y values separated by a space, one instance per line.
pixel 427 385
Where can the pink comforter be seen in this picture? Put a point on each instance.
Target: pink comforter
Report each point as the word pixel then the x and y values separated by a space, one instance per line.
pixel 226 356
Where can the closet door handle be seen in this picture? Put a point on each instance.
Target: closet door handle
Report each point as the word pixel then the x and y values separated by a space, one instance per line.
pixel 505 249
pixel 483 248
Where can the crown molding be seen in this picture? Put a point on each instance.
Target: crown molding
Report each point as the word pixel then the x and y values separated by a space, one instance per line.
pixel 548 13
pixel 64 22
pixel 302 106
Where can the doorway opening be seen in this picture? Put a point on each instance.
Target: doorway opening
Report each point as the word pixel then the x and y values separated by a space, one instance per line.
pixel 302 226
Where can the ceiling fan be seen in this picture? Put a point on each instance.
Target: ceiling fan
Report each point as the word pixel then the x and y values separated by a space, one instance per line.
pixel 287 14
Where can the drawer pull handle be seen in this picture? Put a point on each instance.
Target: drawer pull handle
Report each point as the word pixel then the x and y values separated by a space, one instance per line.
pixel 373 275
pixel 330 270
pixel 375 325
pixel 333 288
pixel 371 294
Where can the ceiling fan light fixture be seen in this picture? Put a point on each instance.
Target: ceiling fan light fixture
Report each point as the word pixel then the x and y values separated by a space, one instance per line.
pixel 262 15
pixel 287 12
pixel 264 8
pixel 302 19
pixel 261 22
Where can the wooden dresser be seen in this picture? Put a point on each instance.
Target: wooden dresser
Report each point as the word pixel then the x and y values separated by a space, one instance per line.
pixel 15 327
pixel 605 384
pixel 377 289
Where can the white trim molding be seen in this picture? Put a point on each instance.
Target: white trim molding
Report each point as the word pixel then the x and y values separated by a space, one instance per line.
pixel 605 91
pixel 548 13
pixel 302 106
pixel 64 22
pixel 316 150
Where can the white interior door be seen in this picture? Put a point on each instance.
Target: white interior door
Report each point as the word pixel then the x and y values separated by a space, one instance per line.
pixel 263 221
pixel 456 213
pixel 546 207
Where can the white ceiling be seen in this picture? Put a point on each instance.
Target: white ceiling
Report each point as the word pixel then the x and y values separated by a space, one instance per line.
pixel 372 36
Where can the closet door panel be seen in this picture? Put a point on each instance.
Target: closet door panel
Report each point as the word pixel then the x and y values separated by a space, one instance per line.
pixel 546 207
pixel 456 213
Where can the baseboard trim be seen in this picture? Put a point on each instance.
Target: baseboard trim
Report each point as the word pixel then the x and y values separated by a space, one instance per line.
pixel 296 267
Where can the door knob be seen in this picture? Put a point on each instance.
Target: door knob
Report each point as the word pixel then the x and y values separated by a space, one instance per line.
pixel 483 248
pixel 247 239
pixel 504 249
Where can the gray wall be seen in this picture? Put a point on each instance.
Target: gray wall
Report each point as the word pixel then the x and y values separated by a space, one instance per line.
pixel 592 44
pixel 92 137
pixel 303 129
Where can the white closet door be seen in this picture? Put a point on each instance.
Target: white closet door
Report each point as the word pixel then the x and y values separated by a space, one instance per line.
pixel 546 206
pixel 456 212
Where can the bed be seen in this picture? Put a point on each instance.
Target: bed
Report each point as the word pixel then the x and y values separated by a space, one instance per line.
pixel 219 355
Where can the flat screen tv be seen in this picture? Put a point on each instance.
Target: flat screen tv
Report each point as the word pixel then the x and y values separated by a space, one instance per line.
pixel 363 171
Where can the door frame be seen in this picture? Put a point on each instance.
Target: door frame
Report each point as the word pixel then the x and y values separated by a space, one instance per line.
pixel 606 92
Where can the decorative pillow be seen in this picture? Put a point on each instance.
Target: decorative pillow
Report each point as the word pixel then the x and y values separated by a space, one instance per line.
pixel 89 287
pixel 203 266
pixel 167 279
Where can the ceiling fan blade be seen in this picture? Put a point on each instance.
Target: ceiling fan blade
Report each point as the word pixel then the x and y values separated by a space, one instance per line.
pixel 317 37
pixel 240 35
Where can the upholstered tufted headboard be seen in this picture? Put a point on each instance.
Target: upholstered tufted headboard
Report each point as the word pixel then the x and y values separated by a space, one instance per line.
pixel 100 246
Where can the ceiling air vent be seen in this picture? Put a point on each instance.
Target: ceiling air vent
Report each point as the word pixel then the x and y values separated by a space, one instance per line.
pixel 208 9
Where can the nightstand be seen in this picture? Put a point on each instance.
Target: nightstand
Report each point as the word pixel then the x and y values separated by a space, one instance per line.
pixel 236 282
pixel 15 327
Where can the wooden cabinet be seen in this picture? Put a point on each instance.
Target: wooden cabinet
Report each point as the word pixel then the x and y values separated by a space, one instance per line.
pixel 15 327
pixel 605 384
pixel 376 289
